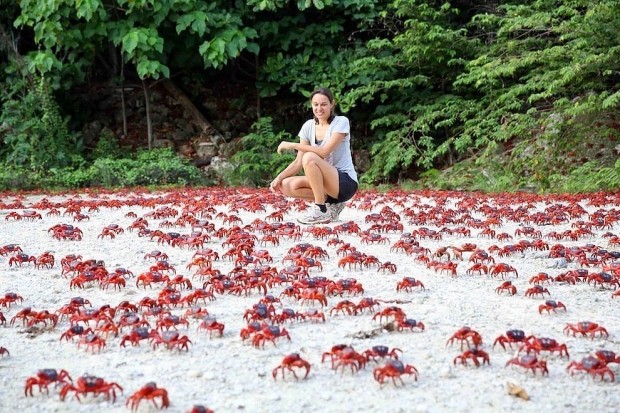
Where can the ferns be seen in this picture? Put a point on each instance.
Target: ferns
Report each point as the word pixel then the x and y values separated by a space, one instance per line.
pixel 258 162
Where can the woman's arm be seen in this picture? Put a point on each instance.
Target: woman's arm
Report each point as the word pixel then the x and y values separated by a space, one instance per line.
pixel 292 169
pixel 323 151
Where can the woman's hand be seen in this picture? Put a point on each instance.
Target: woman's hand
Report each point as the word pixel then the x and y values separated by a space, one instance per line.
pixel 276 184
pixel 285 146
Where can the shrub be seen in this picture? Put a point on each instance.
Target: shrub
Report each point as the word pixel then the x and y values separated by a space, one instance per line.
pixel 258 162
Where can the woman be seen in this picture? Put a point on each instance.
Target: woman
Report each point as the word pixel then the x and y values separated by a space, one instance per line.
pixel 324 153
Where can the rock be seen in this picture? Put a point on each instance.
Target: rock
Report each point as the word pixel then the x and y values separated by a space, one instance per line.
pixel 162 143
pixel 557 263
pixel 228 149
pixel 91 132
pixel 361 159
pixel 205 149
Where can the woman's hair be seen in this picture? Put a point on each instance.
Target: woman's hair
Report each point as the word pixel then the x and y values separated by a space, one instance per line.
pixel 328 93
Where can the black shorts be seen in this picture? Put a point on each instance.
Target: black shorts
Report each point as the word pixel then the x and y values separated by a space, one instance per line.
pixel 347 187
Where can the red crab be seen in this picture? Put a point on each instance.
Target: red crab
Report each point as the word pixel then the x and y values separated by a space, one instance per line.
pixel 315 315
pixel 44 378
pixel 512 336
pixel 161 266
pixel 149 391
pixel 394 369
pixel 503 270
pixel 31 215
pixel 530 362
pixel 607 356
pixel 409 283
pixel 408 323
pixel 591 365
pixel 45 260
pixel 348 357
pixel 157 255
pixel 136 335
pixel 344 306
pixel 168 321
pixel 211 325
pixel 147 278
pixel 478 268
pixel 111 231
pixel 312 295
pixel 287 314
pixel 390 312
pixel 259 311
pixel 540 278
pixel 333 353
pixel 536 290
pixel 387 266
pixel 394 312
pixel 13 215
pixel 269 333
pixel 36 317
pixel 508 287
pixel 473 355
pixel 10 298
pixel 75 330
pixel 170 339
pixel 22 258
pixel 199 408
pixel 380 352
pixel 91 384
pixel 366 302
pixel 449 267
pixel 4 351
pixel 92 341
pixel 464 334
pixel 586 328
pixel 253 327
pixel 287 364
pixel 536 345
pixel 551 305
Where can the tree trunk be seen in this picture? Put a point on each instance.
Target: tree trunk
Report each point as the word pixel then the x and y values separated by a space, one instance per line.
pixel 149 126
pixel 203 124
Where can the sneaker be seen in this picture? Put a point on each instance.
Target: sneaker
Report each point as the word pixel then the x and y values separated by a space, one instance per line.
pixel 315 216
pixel 335 210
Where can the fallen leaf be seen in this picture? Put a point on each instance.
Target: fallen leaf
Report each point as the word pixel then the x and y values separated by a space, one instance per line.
pixel 517 391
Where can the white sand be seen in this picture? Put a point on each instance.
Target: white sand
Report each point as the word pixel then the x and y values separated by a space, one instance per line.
pixel 227 374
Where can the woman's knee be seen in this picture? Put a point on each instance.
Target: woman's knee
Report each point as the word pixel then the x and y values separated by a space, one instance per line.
pixel 287 187
pixel 309 159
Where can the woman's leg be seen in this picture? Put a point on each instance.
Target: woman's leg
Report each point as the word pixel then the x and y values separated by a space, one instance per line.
pixel 322 177
pixel 320 180
pixel 297 187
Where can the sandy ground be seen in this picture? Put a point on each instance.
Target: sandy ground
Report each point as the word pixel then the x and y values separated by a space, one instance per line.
pixel 229 374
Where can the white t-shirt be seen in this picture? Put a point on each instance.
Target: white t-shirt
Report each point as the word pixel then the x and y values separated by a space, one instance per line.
pixel 340 158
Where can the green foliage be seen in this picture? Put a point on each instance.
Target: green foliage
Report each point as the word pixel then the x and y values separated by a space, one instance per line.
pixel 407 77
pixel 311 45
pixel 107 146
pixel 450 82
pixel 154 167
pixel 147 168
pixel 258 162
pixel 34 133
pixel 436 82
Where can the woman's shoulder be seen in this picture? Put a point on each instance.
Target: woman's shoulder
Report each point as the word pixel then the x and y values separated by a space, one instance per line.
pixel 340 120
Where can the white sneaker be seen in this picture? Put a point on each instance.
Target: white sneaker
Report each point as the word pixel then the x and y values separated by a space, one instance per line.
pixel 335 210
pixel 315 216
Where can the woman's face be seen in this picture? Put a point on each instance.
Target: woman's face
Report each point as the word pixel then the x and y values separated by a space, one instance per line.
pixel 321 107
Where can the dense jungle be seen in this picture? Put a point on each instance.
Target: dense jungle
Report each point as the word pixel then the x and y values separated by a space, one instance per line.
pixel 467 94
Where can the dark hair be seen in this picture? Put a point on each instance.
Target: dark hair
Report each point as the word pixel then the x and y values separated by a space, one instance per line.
pixel 327 93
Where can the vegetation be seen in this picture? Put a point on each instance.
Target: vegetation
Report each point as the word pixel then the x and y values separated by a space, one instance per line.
pixel 257 163
pixel 469 94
